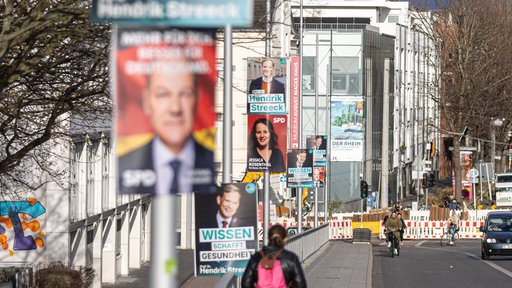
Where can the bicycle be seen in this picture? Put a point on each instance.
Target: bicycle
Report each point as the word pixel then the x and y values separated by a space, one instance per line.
pixel 447 236
pixel 395 242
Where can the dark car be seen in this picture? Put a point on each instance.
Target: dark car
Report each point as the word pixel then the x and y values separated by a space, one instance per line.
pixel 497 234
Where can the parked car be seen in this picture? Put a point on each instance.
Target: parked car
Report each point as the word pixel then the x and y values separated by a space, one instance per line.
pixel 497 234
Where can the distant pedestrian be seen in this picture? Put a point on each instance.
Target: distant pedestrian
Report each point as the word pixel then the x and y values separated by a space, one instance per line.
pixel 404 226
pixel 289 262
pixel 453 204
pixel 397 207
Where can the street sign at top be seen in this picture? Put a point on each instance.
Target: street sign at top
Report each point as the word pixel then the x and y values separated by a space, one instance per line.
pixel 175 13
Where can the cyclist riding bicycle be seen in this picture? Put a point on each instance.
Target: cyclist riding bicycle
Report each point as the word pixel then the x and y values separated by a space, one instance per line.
pixel 453 225
pixel 395 225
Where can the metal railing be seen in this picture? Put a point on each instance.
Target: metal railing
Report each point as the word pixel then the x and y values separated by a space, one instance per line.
pixel 308 242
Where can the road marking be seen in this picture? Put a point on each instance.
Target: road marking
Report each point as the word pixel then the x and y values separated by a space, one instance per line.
pixel 495 266
pixel 419 244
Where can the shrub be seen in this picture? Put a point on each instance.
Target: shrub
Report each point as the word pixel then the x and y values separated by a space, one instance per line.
pixel 57 275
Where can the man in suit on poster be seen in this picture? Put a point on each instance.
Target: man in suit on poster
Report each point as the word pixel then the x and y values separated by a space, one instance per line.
pixel 317 182
pixel 318 143
pixel 301 160
pixel 267 83
pixel 228 201
pixel 173 161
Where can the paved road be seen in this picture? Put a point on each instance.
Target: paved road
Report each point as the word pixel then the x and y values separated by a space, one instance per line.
pixel 423 264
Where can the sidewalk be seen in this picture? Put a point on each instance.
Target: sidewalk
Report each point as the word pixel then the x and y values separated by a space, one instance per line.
pixel 339 263
pixel 139 278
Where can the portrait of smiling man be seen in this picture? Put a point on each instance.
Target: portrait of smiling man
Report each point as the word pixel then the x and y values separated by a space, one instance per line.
pixel 173 159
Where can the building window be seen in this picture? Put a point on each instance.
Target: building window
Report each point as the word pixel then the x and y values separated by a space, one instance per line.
pixel 105 163
pixel 219 126
pixel 76 149
pixel 393 19
pixel 346 75
pixel 90 179
pixel 308 75
pixel 220 73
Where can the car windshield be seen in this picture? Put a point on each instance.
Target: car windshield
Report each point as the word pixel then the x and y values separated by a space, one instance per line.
pixel 500 224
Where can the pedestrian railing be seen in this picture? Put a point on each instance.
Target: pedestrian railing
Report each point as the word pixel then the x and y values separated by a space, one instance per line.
pixel 308 242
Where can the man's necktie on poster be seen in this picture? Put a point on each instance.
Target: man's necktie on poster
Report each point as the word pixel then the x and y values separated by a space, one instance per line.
pixel 175 165
pixel 224 224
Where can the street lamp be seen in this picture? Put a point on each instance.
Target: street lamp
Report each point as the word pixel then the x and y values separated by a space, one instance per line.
pixel 494 123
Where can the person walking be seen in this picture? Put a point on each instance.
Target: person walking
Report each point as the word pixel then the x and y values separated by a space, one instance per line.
pixel 288 261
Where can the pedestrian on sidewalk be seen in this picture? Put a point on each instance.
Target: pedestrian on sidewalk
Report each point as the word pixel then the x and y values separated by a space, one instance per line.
pixel 289 262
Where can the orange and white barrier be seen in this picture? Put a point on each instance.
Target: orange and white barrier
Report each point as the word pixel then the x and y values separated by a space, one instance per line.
pixel 416 230
pixel 340 229
pixel 435 230
pixel 285 224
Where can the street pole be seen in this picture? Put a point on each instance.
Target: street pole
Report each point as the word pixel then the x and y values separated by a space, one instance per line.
pixel 301 45
pixel 493 147
pixel 385 134
pixel 495 122
pixel 164 260
pixel 266 177
pixel 227 151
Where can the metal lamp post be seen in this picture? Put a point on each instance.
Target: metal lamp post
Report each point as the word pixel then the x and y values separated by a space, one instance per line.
pixel 494 123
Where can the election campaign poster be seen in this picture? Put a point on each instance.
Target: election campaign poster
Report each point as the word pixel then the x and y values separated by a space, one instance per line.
pixel 300 168
pixel 266 86
pixel 318 144
pixel 226 229
pixel 267 139
pixel 165 139
pixel 347 128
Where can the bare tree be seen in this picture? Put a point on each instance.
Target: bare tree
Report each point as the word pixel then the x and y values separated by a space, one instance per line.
pixel 473 39
pixel 53 70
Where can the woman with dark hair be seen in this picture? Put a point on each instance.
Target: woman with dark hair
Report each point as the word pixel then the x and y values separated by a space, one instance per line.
pixel 263 153
pixel 290 264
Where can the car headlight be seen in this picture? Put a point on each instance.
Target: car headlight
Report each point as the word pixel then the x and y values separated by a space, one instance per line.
pixel 491 241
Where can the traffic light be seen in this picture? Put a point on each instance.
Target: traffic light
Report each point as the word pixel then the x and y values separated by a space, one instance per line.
pixel 364 189
pixel 311 195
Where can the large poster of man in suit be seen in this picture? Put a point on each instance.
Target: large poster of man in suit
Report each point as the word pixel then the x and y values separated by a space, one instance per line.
pixel 226 229
pixel 165 138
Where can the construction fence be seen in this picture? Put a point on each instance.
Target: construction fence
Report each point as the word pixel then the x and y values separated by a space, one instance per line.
pixel 428 224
